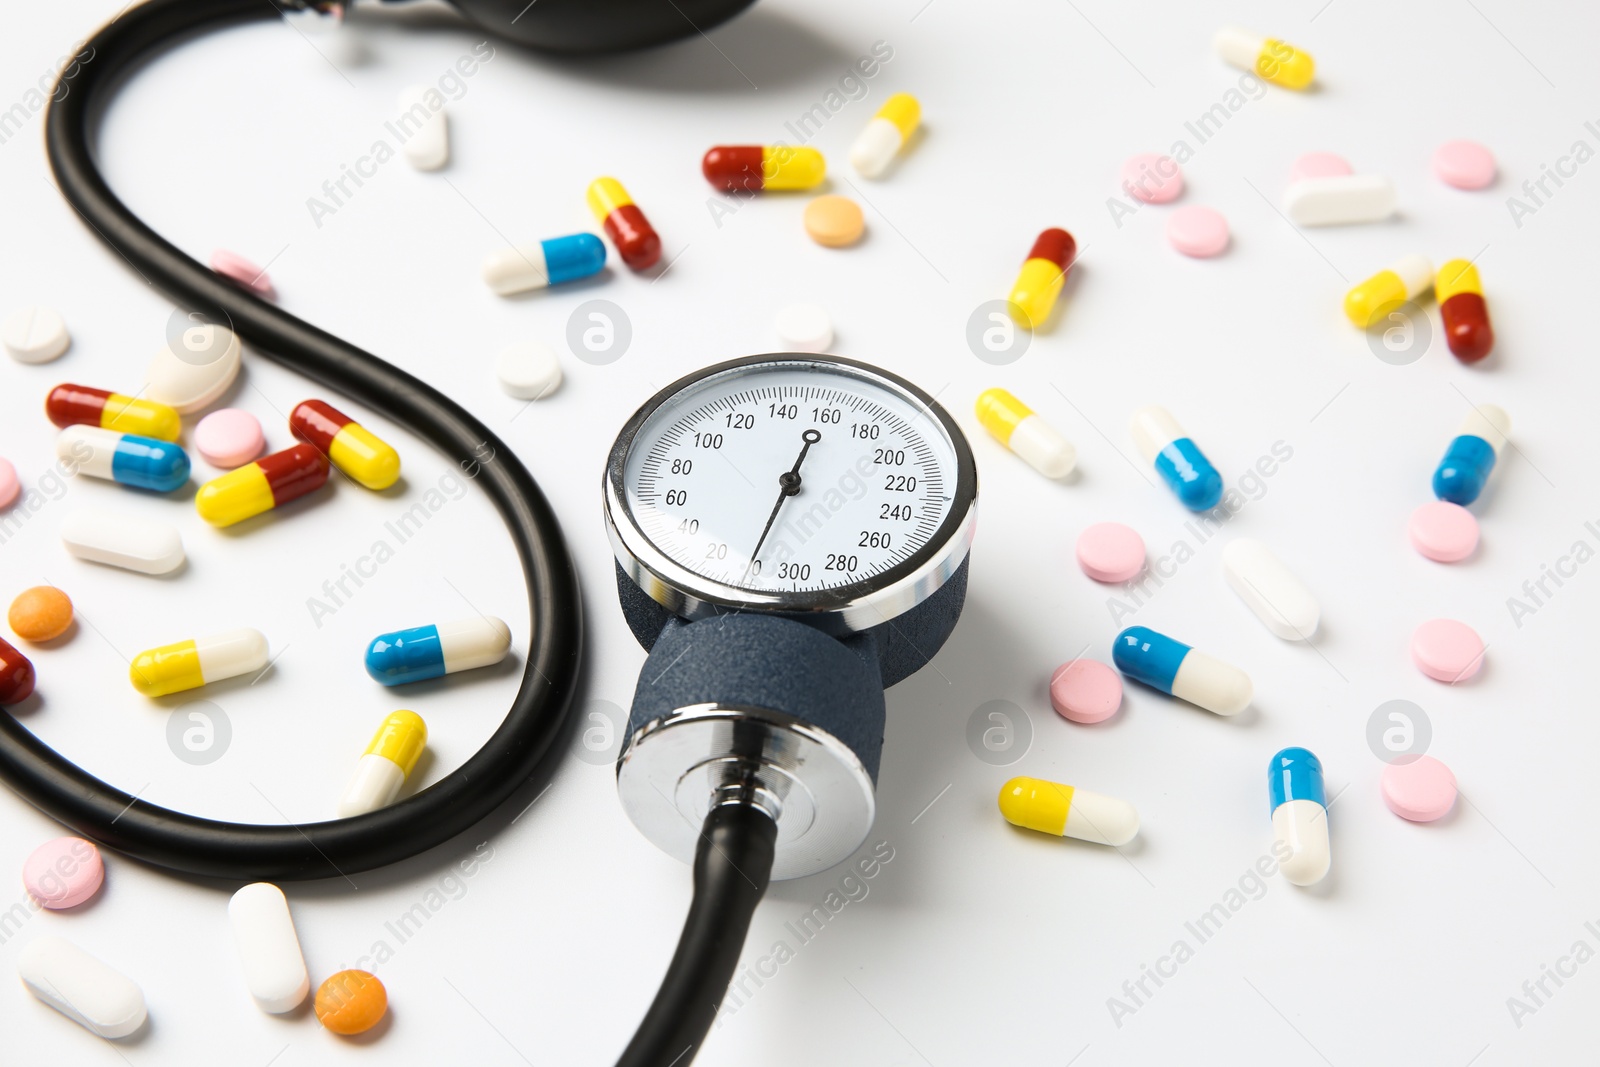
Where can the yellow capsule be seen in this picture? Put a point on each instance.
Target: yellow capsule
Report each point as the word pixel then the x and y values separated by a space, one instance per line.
pixel 999 412
pixel 383 768
pixel 191 664
pixel 785 167
pixel 80 405
pixel 903 110
pixel 1372 301
pixel 885 134
pixel 605 196
pixel 1061 810
pixel 354 449
pixel 262 485
pixel 1456 276
pixel 1015 425
pixel 1275 61
pixel 400 740
pixel 1042 276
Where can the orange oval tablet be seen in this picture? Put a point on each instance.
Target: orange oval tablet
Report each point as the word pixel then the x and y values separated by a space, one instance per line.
pixel 834 221
pixel 40 614
pixel 351 1002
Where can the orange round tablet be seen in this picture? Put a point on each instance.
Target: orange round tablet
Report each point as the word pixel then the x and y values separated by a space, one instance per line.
pixel 351 1002
pixel 834 221
pixel 40 614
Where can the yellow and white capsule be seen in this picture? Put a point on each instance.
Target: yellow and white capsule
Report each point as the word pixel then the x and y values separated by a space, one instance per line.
pixel 1015 425
pixel 1405 279
pixel 393 754
pixel 1054 808
pixel 1278 62
pixel 883 137
pixel 191 664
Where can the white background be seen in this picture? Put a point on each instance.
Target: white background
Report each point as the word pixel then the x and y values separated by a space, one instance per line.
pixel 977 943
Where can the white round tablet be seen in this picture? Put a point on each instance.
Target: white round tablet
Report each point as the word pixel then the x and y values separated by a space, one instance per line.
pixel 35 334
pixel 805 328
pixel 528 370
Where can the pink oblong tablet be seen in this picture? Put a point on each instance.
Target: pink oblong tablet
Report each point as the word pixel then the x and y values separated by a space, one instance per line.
pixel 10 487
pixel 1319 165
pixel 1443 531
pixel 229 438
pixel 1152 177
pixel 1111 552
pixel 1420 790
pixel 1197 231
pixel 1447 650
pixel 1085 690
pixel 63 873
pixel 1464 164
pixel 237 269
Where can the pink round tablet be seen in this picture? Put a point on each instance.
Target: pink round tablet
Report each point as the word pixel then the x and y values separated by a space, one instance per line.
pixel 1447 650
pixel 1111 552
pixel 1443 531
pixel 1197 231
pixel 1085 690
pixel 9 485
pixel 236 268
pixel 229 438
pixel 1422 790
pixel 1464 164
pixel 63 873
pixel 1318 165
pixel 1152 177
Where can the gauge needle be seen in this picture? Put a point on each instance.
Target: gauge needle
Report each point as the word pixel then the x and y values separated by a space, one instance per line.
pixel 788 486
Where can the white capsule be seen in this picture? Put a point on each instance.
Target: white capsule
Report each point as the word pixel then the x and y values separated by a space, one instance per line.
pixel 1302 826
pixel 120 540
pixel 375 784
pixel 1154 429
pixel 1415 273
pixel 875 147
pixel 35 334
pixel 198 372
pixel 466 644
pixel 1101 819
pixel 1490 423
pixel 516 270
pixel 1270 589
pixel 1340 200
pixel 269 950
pixel 426 130
pixel 1207 682
pixel 230 654
pixel 1045 450
pixel 81 987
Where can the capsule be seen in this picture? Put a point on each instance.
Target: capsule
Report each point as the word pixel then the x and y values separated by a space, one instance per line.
pixel 1053 808
pixel 751 168
pixel 424 652
pixel 1042 276
pixel 1173 667
pixel 142 462
pixel 1466 465
pixel 79 405
pixel 882 138
pixel 636 240
pixel 1015 425
pixel 16 675
pixel 1299 815
pixel 560 259
pixel 191 664
pixel 1278 62
pixel 1465 315
pixel 382 771
pixel 352 448
pixel 1181 464
pixel 267 483
pixel 1371 302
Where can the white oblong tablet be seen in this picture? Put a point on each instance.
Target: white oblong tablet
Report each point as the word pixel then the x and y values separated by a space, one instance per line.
pixel 1270 589
pixel 528 370
pixel 476 642
pixel 1340 200
pixel 79 986
pixel 805 328
pixel 197 372
pixel 1101 819
pixel 35 334
pixel 269 949
pixel 1207 682
pixel 121 540
pixel 426 131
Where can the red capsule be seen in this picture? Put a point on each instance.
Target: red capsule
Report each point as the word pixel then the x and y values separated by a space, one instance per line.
pixel 624 223
pixel 80 405
pixel 1465 315
pixel 16 676
pixel 269 482
pixel 294 472
pixel 1057 246
pixel 751 168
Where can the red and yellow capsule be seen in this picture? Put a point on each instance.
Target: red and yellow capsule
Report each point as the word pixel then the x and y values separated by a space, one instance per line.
pixel 636 240
pixel 79 405
pixel 1042 276
pixel 262 485
pixel 1465 315
pixel 753 167
pixel 16 675
pixel 357 451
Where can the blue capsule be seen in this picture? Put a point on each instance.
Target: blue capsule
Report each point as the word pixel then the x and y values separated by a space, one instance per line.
pixel 424 652
pixel 125 458
pixel 1299 801
pixel 1173 667
pixel 1295 774
pixel 1177 459
pixel 570 258
pixel 1467 463
pixel 560 259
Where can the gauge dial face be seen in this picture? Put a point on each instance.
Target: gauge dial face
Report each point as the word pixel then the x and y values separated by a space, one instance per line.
pixel 791 476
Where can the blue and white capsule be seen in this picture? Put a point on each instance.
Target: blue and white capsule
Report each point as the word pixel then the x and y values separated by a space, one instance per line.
pixel 560 259
pixel 1299 816
pixel 1465 468
pixel 125 458
pixel 1188 674
pixel 1178 460
pixel 424 652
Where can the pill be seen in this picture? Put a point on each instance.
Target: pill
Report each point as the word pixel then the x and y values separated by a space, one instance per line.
pixel 1446 650
pixel 229 438
pixel 423 126
pixel 1187 673
pixel 191 664
pixel 751 168
pixel 1443 531
pixel 560 259
pixel 1043 274
pixel 1318 165
pixel 1462 308
pixel 528 370
pixel 1152 178
pixel 10 484
pixel 197 376
pixel 1420 789
pixel 1064 811
pixel 834 221
pixel 1464 164
pixel 80 405
pixel 1085 690
pixel 241 271
pixel 1343 200
pixel 42 613
pixel 351 1002
pixel 1280 600
pixel 1371 301
pixel 269 482
pixel 90 993
pixel 1468 462
pixel 355 450
pixel 63 873
pixel 881 139
pixel 119 540
pixel 1197 231
pixel 125 458
pixel 391 756
pixel 35 334
pixel 1176 457
pixel 1014 425
pixel 16 675
pixel 636 240
pixel 269 949
pixel 1276 61
pixel 1110 552
pixel 424 652
pixel 805 328
pixel 1299 815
